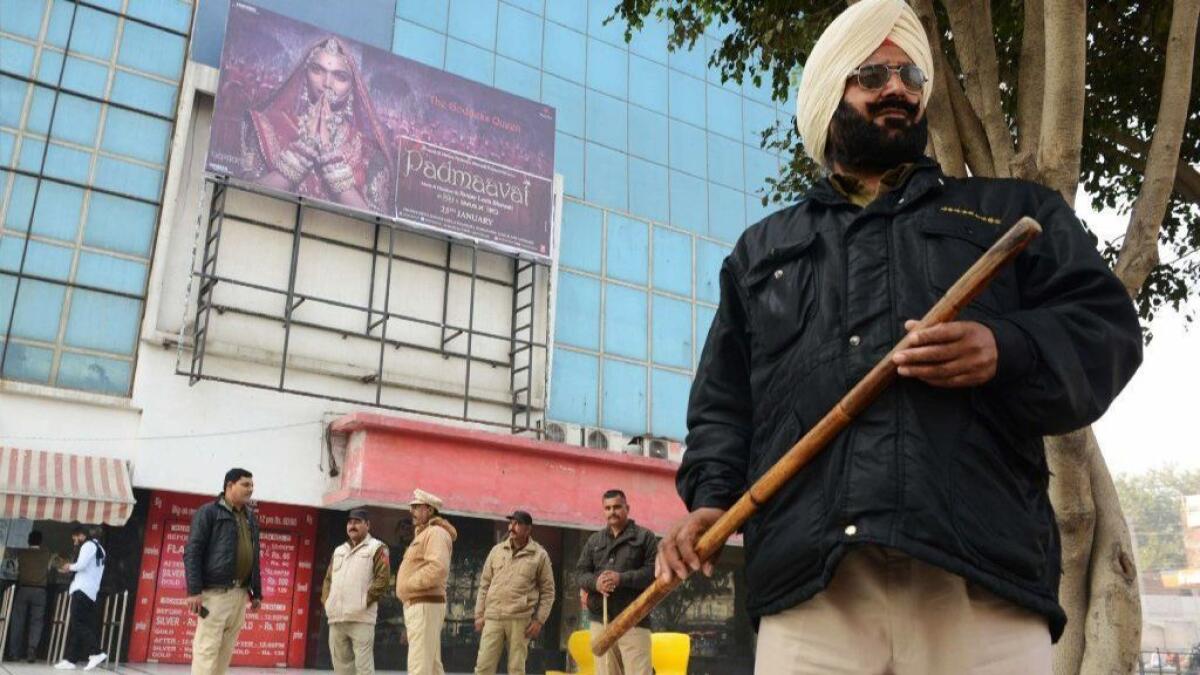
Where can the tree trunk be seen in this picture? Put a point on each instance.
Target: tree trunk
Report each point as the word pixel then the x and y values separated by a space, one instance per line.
pixel 1061 141
pixel 943 129
pixel 1139 251
pixel 971 22
pixel 1031 85
pixel 1069 457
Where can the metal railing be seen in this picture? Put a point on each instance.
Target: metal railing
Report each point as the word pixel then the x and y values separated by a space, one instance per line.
pixel 112 627
pixel 1159 662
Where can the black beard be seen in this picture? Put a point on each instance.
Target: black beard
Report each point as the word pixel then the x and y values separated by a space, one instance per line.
pixel 859 145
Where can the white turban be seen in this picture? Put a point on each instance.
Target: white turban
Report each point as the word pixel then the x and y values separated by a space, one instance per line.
pixel 852 37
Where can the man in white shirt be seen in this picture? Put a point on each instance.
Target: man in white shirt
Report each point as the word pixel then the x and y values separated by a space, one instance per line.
pixel 83 638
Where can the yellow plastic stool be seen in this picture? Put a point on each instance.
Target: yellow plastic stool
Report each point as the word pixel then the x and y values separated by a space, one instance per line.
pixel 579 646
pixel 669 653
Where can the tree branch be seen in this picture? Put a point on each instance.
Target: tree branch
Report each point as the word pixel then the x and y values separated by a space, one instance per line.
pixel 1134 151
pixel 1139 251
pixel 1060 142
pixel 971 22
pixel 943 129
pixel 1031 82
pixel 970 130
pixel 1069 457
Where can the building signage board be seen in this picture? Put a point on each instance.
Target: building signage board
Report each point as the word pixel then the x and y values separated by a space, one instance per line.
pixel 305 112
pixel 274 636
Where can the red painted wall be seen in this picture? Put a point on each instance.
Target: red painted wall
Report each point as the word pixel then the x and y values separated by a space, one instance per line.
pixel 489 474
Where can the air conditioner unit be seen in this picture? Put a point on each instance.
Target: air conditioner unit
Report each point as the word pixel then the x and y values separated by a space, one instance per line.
pixel 604 439
pixel 564 432
pixel 659 448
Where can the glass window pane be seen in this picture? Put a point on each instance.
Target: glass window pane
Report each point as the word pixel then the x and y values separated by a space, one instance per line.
pixel 686 99
pixel 10 259
pixel 519 35
pixel 68 163
pixel 57 212
pixel 48 260
pixel 757 118
pixel 613 31
pixel 469 61
pixel 519 79
pixel 564 52
pixel 27 363
pixel 668 408
pixel 419 43
pixel 572 14
pixel 648 84
pixel 577 307
pixel 151 50
pixel 581 237
pixel 628 249
pixel 102 321
pixel 709 257
pixel 17 57
pixel 49 67
pixel 136 135
pixel 648 134
pixel 568 160
pixel 689 202
pixel 690 61
pixel 20 206
pixel 756 210
pixel 474 21
pixel 8 143
pixel 573 390
pixel 60 23
pixel 760 165
pixel 606 177
pixel 12 100
pixel 38 120
pixel 726 213
pixel 672 332
pixel 39 307
pixel 725 161
pixel 119 176
pixel 607 120
pixel 567 100
pixel 648 190
pixel 142 92
pixel 94 373
pixel 115 274
pixel 23 17
pixel 85 77
pixel 688 149
pixel 672 261
pixel 625 321
pixel 624 397
pixel 94 33
pixel 651 41
pixel 173 14
pixel 607 68
pixel 724 112
pixel 428 13
pixel 119 224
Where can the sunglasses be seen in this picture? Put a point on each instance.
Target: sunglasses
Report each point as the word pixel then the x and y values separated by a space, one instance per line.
pixel 875 76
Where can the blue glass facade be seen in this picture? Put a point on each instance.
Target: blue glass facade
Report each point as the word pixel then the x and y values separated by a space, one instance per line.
pixel 662 171
pixel 87 102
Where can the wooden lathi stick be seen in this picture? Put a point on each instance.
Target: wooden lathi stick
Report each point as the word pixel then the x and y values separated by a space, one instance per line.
pixel 968 286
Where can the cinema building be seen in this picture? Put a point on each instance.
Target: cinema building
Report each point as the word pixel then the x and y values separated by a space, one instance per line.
pixel 489 276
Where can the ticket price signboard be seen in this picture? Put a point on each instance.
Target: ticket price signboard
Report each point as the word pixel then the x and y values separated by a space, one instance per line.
pixel 274 635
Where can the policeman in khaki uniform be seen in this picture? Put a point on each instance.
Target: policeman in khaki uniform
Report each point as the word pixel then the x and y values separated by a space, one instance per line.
pixel 516 592
pixel 421 583
pixel 358 577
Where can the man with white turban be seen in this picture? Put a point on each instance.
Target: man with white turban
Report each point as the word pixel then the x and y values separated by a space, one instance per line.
pixel 921 540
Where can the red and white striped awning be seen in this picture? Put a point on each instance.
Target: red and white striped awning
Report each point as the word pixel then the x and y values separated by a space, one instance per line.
pixel 42 485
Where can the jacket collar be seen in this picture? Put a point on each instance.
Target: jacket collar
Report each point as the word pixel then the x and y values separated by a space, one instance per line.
pixel 627 533
pixel 531 547
pixel 926 175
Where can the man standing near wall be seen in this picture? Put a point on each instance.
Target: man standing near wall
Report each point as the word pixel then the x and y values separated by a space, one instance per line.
pixel 29 604
pixel 83 635
pixel 222 568
pixel 617 564
pixel 421 583
pixel 516 592
pixel 358 577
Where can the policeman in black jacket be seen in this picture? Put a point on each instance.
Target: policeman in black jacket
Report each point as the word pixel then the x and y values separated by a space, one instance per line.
pixel 922 539
pixel 617 563
pixel 222 567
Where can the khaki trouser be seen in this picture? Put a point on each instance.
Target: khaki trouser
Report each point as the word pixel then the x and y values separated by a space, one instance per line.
pixel 352 647
pixel 216 634
pixel 887 613
pixel 497 635
pixel 423 623
pixel 629 656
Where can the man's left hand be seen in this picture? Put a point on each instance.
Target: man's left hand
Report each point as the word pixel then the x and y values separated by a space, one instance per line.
pixel 954 354
pixel 533 629
pixel 608 582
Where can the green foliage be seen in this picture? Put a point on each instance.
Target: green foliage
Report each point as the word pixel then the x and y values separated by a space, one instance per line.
pixel 769 41
pixel 1153 506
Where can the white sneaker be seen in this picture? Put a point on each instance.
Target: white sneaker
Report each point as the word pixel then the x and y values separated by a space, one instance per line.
pixel 64 665
pixel 95 660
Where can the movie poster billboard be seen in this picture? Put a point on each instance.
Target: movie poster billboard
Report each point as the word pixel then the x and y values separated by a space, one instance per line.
pixel 305 112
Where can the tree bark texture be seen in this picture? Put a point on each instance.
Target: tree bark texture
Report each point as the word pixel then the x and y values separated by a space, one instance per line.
pixel 1031 85
pixel 1139 251
pixel 1061 141
pixel 943 129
